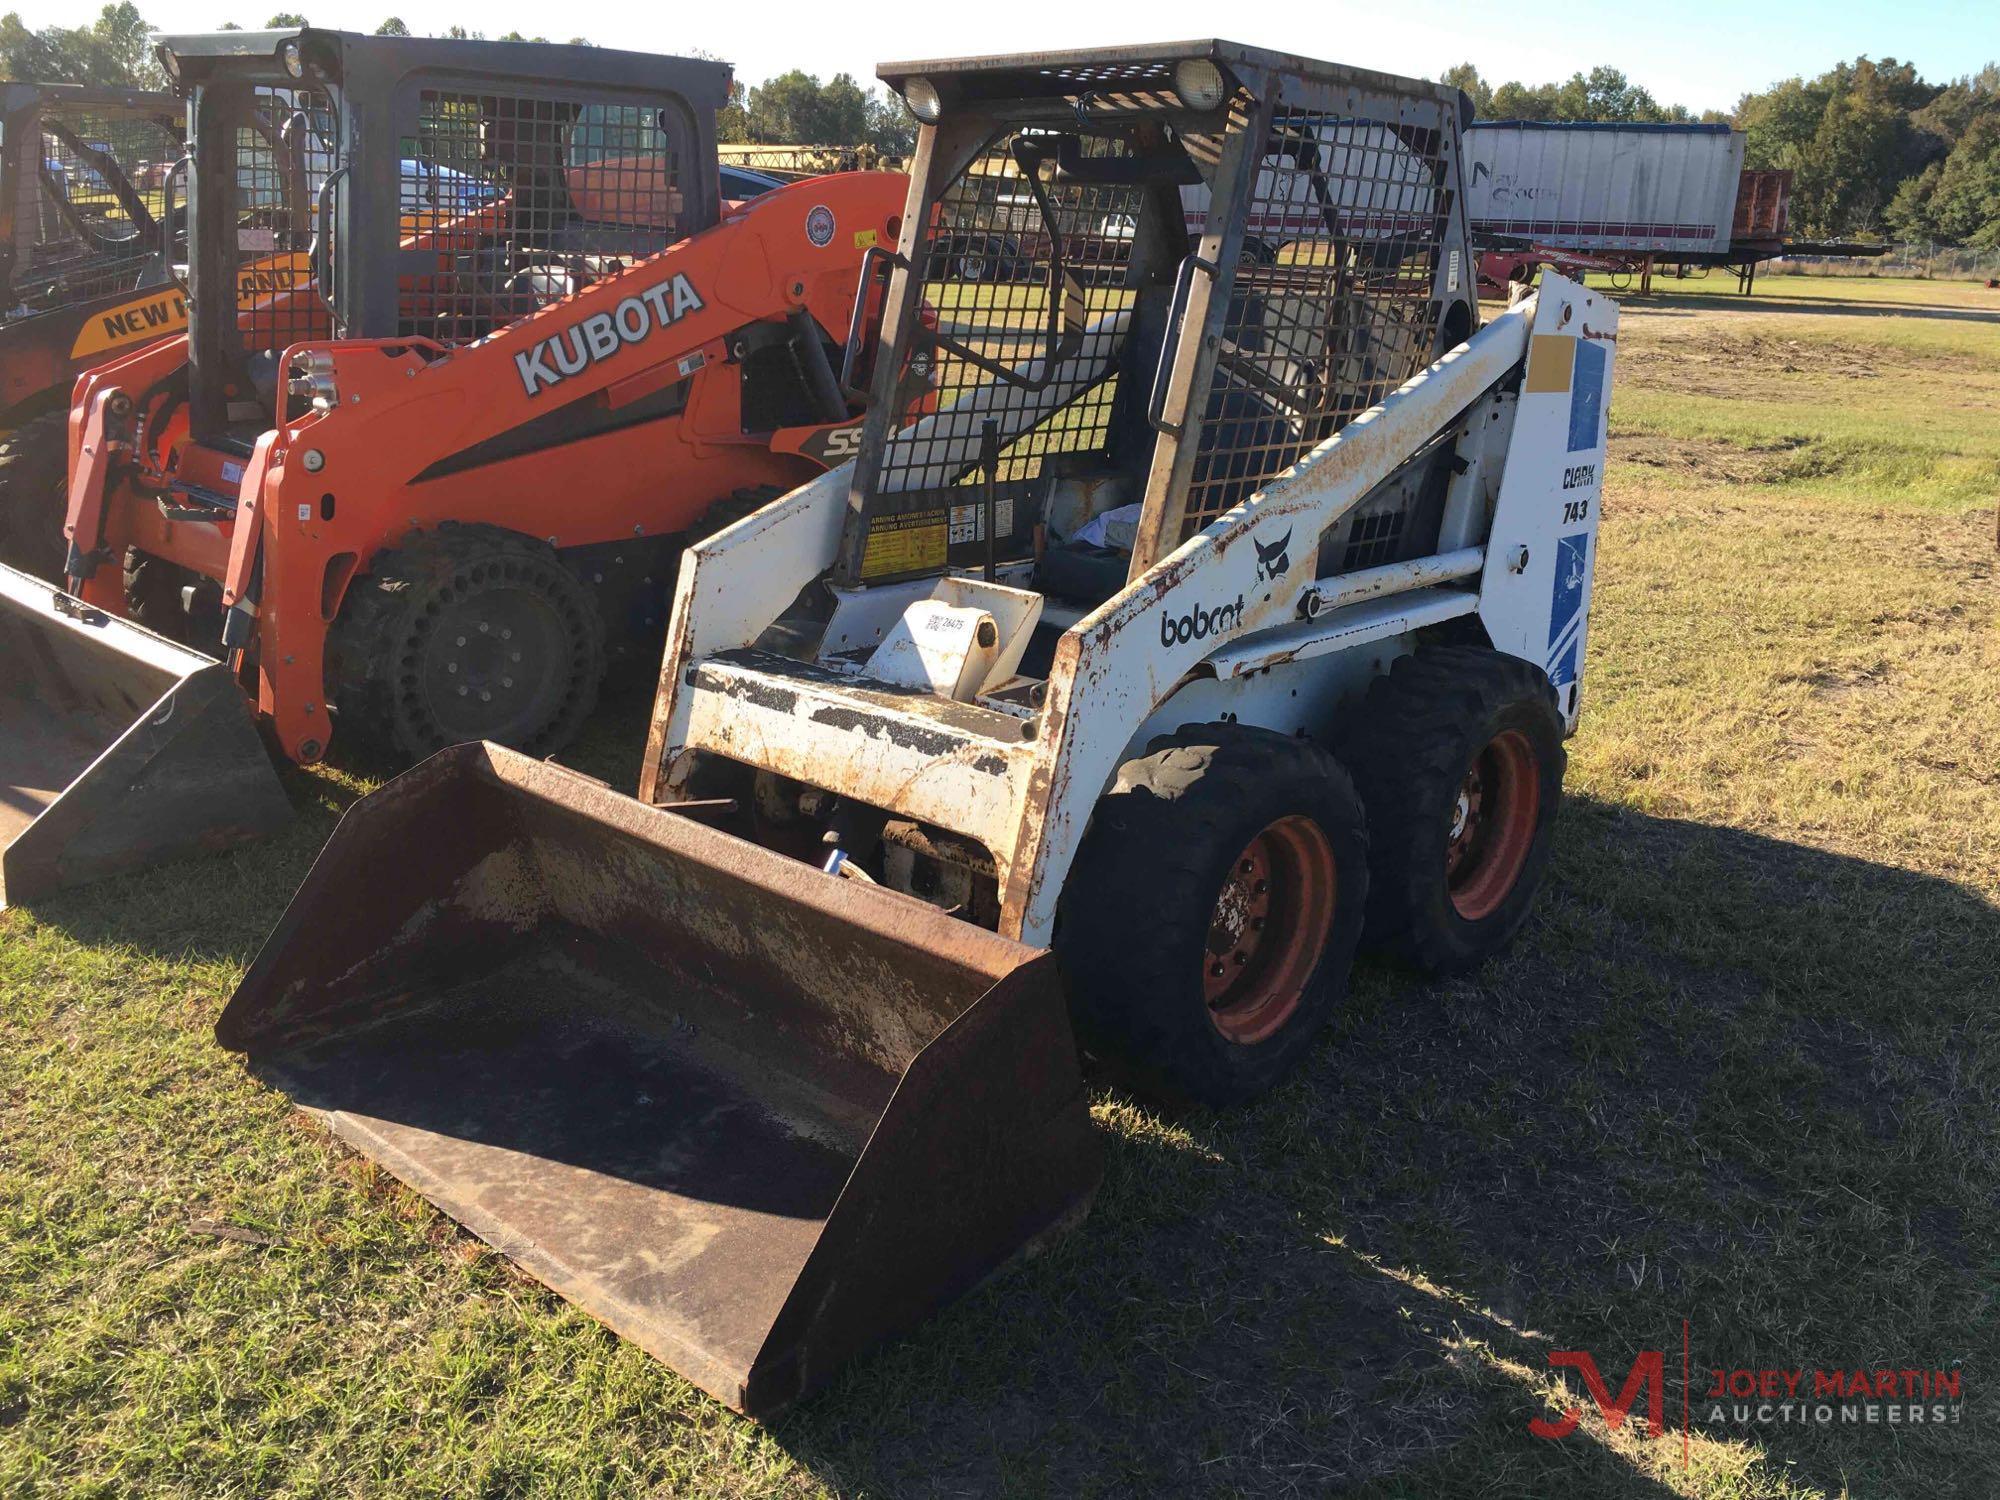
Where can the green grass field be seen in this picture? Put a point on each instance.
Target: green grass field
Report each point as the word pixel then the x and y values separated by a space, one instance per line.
pixel 1742 1069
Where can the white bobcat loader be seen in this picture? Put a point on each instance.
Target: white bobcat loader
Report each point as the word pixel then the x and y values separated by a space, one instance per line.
pixel 1227 612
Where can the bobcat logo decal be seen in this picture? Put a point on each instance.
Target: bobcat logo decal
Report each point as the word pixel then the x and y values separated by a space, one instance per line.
pixel 1274 561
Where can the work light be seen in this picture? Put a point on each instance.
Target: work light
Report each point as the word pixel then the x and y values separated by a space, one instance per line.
pixel 922 97
pixel 1200 83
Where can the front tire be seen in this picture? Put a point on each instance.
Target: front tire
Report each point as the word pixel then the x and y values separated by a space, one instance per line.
pixel 1458 755
pixel 1208 924
pixel 466 633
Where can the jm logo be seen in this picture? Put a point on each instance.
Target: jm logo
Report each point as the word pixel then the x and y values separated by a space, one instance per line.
pixel 1648 1370
pixel 1274 561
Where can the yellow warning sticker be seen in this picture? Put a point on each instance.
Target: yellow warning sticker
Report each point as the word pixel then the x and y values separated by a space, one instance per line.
pixel 863 238
pixel 1551 359
pixel 904 544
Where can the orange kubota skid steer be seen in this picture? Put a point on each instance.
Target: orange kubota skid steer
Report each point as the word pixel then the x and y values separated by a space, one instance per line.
pixel 514 347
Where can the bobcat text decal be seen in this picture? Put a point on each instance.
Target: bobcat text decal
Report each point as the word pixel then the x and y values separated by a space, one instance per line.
pixel 1199 624
pixel 602 335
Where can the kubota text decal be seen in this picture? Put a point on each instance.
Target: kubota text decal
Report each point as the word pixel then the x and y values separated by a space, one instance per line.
pixel 601 335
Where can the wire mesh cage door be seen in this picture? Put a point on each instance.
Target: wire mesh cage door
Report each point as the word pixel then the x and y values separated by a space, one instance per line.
pixel 86 220
pixel 268 157
pixel 510 197
pixel 1018 304
pixel 1338 271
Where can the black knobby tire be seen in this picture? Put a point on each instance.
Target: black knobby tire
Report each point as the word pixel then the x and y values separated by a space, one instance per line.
pixel 410 669
pixel 153 598
pixel 1140 931
pixel 34 480
pixel 732 508
pixel 1457 752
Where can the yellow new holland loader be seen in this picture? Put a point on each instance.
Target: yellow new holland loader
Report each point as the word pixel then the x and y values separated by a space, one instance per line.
pixel 1227 608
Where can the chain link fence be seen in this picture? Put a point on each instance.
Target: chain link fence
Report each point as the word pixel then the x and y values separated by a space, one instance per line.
pixel 1917 259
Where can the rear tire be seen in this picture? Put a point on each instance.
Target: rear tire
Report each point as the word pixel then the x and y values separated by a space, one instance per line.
pixel 34 483
pixel 464 633
pixel 1210 919
pixel 1458 755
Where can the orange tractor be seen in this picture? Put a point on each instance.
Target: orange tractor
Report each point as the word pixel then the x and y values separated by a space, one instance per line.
pixel 444 465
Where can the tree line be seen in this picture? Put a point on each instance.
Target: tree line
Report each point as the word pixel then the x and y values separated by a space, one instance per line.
pixel 1875 148
pixel 794 108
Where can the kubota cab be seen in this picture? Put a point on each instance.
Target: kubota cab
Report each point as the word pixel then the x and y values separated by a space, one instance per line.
pixel 508 345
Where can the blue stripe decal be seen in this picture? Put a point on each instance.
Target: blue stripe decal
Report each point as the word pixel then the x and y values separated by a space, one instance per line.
pixel 1566 608
pixel 1586 397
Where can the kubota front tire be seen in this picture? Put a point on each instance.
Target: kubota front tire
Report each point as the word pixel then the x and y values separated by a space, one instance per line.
pixel 1457 752
pixel 34 480
pixel 1210 918
pixel 464 633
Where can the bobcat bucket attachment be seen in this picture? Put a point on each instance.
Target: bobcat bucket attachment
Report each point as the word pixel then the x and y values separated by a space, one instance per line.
pixel 753 1117
pixel 118 748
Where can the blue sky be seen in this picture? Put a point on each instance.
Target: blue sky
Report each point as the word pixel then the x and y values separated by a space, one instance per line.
pixel 1702 53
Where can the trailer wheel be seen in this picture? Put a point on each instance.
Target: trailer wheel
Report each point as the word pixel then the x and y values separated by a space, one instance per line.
pixel 1209 921
pixel 1458 755
pixel 465 633
pixel 34 477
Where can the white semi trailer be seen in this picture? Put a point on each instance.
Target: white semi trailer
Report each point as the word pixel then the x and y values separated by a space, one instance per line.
pixel 1662 190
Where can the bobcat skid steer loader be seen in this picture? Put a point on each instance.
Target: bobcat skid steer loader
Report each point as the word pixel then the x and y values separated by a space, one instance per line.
pixel 1225 610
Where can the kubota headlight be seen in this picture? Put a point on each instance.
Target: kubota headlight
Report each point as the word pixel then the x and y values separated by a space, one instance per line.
pixel 169 64
pixel 295 64
pixel 924 101
pixel 1200 83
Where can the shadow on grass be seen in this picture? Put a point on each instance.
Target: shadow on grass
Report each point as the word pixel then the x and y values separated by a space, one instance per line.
pixel 219 908
pixel 1719 1077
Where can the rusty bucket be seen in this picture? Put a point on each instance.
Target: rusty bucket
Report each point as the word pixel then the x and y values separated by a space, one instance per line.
pixel 753 1117
pixel 118 748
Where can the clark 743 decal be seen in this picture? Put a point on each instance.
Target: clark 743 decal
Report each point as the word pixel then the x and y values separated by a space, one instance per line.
pixel 601 335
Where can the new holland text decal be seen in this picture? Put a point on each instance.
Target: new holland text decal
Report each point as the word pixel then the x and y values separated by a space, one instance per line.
pixel 601 335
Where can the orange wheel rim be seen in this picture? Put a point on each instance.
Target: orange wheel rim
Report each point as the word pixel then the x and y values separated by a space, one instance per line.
pixel 1492 825
pixel 1268 929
